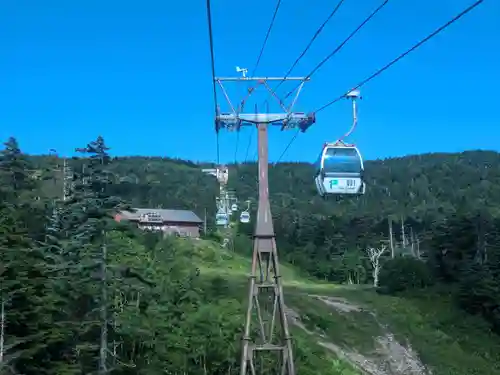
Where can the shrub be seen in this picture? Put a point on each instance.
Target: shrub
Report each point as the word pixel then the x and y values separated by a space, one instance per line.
pixel 404 273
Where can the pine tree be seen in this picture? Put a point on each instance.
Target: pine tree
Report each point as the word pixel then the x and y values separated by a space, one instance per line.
pixel 15 171
pixel 87 221
pixel 22 275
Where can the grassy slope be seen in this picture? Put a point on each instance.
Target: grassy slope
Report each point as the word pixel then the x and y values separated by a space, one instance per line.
pixel 448 341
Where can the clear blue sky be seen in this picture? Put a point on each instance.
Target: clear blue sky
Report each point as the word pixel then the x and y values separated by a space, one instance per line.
pixel 138 73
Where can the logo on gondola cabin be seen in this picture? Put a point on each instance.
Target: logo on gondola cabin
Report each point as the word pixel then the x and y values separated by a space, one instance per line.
pixel 333 183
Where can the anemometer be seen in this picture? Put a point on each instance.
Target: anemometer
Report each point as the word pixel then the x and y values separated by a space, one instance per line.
pixel 244 71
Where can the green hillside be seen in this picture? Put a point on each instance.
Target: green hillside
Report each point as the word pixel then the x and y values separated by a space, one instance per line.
pixel 427 193
pixel 422 186
pixel 359 328
pixel 81 292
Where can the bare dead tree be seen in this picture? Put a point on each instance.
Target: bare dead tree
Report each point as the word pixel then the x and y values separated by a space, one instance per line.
pixel 391 237
pixel 374 254
pixel 403 234
pixel 418 247
pixel 412 243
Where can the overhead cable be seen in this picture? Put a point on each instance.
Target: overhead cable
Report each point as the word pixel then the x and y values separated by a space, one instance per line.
pixel 341 45
pixel 316 34
pixel 278 4
pixel 236 149
pixel 212 56
pixel 387 66
pixel 276 9
pixel 404 54
pixel 287 147
pixel 248 147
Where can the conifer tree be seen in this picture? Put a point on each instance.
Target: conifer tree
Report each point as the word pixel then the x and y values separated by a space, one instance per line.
pixel 87 223
pixel 21 274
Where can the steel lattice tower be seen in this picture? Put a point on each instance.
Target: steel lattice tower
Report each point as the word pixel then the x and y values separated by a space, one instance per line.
pixel 266 305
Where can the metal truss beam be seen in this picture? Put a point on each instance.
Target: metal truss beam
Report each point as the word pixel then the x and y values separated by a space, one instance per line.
pixel 303 79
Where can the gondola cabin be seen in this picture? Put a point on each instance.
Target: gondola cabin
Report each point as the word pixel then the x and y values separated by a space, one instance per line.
pixel 339 170
pixel 221 218
pixel 234 207
pixel 245 217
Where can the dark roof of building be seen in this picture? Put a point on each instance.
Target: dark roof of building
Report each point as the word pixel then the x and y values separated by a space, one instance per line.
pixel 180 216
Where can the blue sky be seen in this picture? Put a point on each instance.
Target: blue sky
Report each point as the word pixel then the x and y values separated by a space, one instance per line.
pixel 138 73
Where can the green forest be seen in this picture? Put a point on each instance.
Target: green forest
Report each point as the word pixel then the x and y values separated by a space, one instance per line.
pixel 83 294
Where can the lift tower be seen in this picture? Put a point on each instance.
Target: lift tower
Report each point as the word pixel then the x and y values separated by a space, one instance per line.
pixel 265 295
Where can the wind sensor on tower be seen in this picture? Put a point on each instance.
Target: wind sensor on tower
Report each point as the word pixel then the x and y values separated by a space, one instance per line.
pixel 266 305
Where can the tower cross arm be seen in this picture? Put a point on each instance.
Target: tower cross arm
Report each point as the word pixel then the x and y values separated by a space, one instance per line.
pixel 221 79
pixel 288 119
pixel 232 121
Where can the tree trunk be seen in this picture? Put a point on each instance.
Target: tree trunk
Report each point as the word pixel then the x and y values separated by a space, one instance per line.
pixel 403 234
pixel 103 353
pixel 376 270
pixel 391 238
pixel 374 255
pixel 2 330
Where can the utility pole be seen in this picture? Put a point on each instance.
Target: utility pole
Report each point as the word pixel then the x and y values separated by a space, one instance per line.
pixel 265 294
pixel 205 223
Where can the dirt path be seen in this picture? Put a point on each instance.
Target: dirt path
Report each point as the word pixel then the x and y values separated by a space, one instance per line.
pixel 390 357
